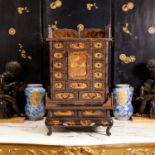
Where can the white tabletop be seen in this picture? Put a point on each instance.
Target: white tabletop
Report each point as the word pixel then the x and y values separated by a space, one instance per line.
pixel 34 132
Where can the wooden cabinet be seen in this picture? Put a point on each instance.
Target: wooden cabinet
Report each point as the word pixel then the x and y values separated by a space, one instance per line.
pixel 78 82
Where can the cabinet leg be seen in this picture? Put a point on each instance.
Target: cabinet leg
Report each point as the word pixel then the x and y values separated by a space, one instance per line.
pixel 110 121
pixel 49 127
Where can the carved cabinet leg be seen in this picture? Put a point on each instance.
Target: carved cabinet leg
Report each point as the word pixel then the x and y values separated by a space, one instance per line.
pixel 110 121
pixel 49 127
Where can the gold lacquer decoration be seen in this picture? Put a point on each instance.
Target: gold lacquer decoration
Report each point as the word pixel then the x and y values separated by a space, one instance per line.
pixel 55 122
pixel 89 96
pixel 151 30
pixel 98 75
pixel 90 6
pixel 77 62
pixel 35 98
pixel 122 97
pixel 64 96
pixel 78 85
pixel 23 53
pixel 98 45
pixel 58 75
pixel 63 113
pixel 98 65
pixel 58 65
pixel 21 10
pixel 127 59
pixel 12 31
pixel 58 45
pixel 128 6
pixel 70 123
pixel 58 85
pixel 80 27
pixel 126 29
pixel 92 113
pixel 58 55
pixel 85 122
pixel 54 26
pixel 98 85
pixel 98 55
pixel 79 45
pixel 56 4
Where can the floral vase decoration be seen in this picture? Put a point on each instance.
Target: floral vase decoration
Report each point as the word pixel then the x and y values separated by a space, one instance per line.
pixel 35 95
pixel 123 108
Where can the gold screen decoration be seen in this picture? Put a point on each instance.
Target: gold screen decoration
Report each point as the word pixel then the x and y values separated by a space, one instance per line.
pixel 77 62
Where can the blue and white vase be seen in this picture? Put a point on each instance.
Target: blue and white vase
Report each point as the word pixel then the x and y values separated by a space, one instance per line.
pixel 35 95
pixel 123 108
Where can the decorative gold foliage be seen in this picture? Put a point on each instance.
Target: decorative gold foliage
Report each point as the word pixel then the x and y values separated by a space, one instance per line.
pixel 90 6
pixel 126 30
pixel 21 10
pixel 54 25
pixel 127 59
pixel 12 31
pixel 151 30
pixel 56 4
pixel 23 53
pixel 80 27
pixel 128 6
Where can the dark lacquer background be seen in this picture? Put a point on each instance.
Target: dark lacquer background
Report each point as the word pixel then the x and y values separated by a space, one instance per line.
pixel 31 31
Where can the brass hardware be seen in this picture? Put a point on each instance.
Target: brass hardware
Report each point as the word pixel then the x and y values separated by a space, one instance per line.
pixel 85 122
pixel 56 4
pixel 58 65
pixel 91 96
pixel 58 85
pixel 78 45
pixel 64 95
pixel 20 10
pixel 80 27
pixel 58 75
pixel 78 85
pixel 98 75
pixel 127 59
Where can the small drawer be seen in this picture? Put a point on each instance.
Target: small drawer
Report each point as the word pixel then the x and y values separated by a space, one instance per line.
pixel 58 85
pixel 58 45
pixel 98 85
pixel 65 96
pixel 99 75
pixel 59 64
pixel 98 65
pixel 58 55
pixel 59 75
pixel 98 55
pixel 79 85
pixel 98 45
pixel 92 113
pixel 92 96
pixel 78 45
pixel 63 113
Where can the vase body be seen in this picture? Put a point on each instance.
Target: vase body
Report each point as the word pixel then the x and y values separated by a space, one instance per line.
pixel 123 108
pixel 35 95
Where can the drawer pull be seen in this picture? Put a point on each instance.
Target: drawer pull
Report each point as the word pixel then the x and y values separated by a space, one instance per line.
pixel 91 96
pixel 64 95
pixel 79 45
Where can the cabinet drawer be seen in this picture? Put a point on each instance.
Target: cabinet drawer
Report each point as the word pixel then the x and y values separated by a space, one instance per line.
pixel 78 45
pixel 92 96
pixel 99 55
pixel 98 75
pixel 58 85
pixel 99 85
pixel 64 113
pixel 92 113
pixel 58 55
pixel 58 45
pixel 59 75
pixel 98 45
pixel 99 65
pixel 78 85
pixel 59 64
pixel 65 96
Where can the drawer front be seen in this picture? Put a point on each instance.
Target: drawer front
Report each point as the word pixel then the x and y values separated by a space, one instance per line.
pixel 92 113
pixel 65 96
pixel 78 45
pixel 78 85
pixel 98 44
pixel 58 45
pixel 58 55
pixel 98 75
pixel 99 85
pixel 59 75
pixel 98 55
pixel 99 65
pixel 59 65
pixel 94 96
pixel 63 113
pixel 59 85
